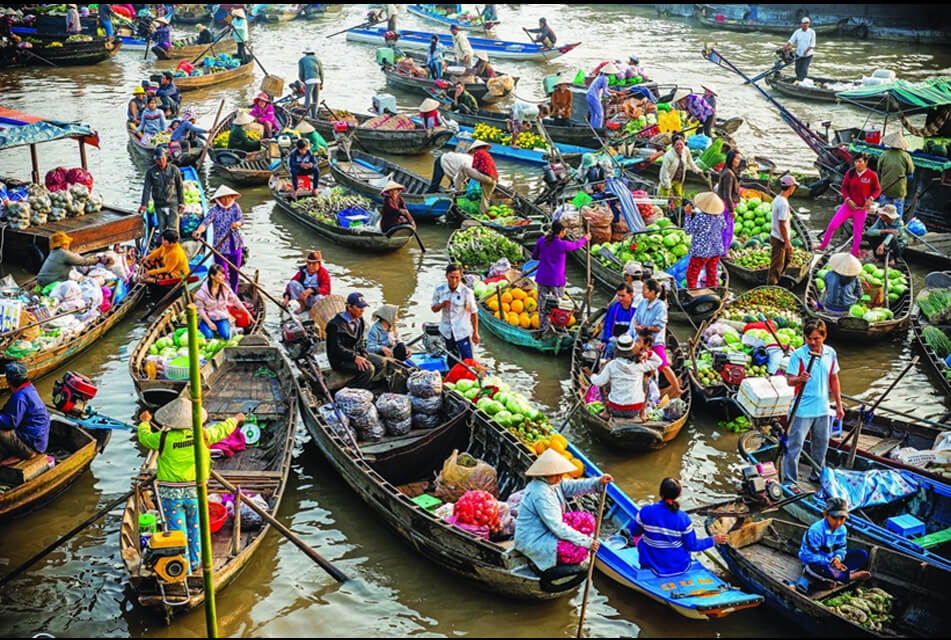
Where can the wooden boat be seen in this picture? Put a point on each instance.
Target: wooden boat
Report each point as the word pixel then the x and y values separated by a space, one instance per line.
pixel 159 391
pixel 312 11
pixel 497 49
pixel 706 17
pixel 763 556
pixel 819 91
pixel 389 474
pixel 526 338
pixel 247 167
pixel 279 12
pixel 363 238
pixel 67 53
pixel 538 157
pixel 146 150
pixel 846 326
pixel 936 364
pixel 200 82
pixel 929 500
pixel 233 386
pixel 366 174
pixel 427 86
pixel 32 483
pixel 938 255
pixel 191 14
pixel 427 12
pixel 577 133
pixel 389 141
pixel 188 48
pixel 45 361
pixel 697 594
pixel 626 434
pixel 530 218
pixel 721 392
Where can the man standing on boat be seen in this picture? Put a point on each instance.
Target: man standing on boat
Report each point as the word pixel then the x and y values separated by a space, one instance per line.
pixel 804 40
pixel 895 169
pixel 239 25
pixel 73 24
pixel 461 47
pixel 311 74
pixel 780 244
pixel 106 14
pixel 392 11
pixel 459 324
pixel 24 419
pixel 163 185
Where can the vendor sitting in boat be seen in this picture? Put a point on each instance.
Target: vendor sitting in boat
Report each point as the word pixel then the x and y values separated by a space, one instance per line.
pixel 561 102
pixel 303 162
pixel 539 526
pixel 666 534
pixel 204 35
pixel 24 419
pixel 618 319
pixel 263 113
pixel 167 261
pixel 482 68
pixel 823 549
pixel 383 339
pixel 842 283
pixel 185 132
pixel 394 212
pixel 545 36
pixel 238 137
pixel 61 260
pixel 215 301
pixel 308 133
pixel 625 374
pixel 463 101
pixel 887 234
pixel 153 120
pixel 346 349
pixel 429 114
pixel 168 95
pixel 309 284
pixel 136 106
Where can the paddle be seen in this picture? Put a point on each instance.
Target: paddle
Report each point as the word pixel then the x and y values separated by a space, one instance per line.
pixel 711 509
pixel 221 35
pixel 40 58
pixel 792 414
pixel 334 572
pixel 587 263
pixel 375 19
pixel 857 431
pixel 208 143
pixel 587 584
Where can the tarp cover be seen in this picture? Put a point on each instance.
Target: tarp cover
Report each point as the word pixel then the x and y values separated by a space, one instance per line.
pixel 862 489
pixel 912 96
pixel 18 129
pixel 920 158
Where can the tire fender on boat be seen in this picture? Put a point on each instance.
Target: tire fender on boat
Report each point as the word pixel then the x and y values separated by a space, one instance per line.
pixel 562 577
pixel 703 305
pixel 398 228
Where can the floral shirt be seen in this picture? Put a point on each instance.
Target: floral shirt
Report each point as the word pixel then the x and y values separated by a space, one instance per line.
pixel 221 221
pixel 706 233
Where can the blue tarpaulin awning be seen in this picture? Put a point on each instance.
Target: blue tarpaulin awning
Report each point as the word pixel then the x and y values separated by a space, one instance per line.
pixel 20 129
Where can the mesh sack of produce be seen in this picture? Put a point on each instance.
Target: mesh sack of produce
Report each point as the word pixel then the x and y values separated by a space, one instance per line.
pixel 56 179
pixel 357 405
pixel 462 472
pixel 79 176
pixel 426 420
pixel 394 406
pixel 369 428
pixel 582 521
pixel 430 406
pixel 425 384
pixel 398 427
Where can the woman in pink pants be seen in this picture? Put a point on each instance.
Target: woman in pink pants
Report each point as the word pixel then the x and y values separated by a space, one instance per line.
pixel 860 188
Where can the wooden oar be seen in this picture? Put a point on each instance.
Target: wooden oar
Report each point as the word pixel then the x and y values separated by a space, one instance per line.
pixel 941 424
pixel 587 584
pixel 334 572
pixel 216 41
pixel 209 142
pixel 368 23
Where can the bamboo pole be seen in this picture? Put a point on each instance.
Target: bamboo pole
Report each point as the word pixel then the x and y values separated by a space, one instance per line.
pixel 202 470
pixel 593 554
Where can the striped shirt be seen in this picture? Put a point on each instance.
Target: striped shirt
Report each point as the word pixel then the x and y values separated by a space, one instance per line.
pixel 667 539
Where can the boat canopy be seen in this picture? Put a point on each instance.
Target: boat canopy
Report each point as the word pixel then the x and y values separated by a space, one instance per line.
pixel 20 129
pixel 911 97
pixel 921 159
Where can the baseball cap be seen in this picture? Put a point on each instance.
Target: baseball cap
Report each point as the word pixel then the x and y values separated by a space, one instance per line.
pixel 837 508
pixel 356 299
pixel 805 19
pixel 789 180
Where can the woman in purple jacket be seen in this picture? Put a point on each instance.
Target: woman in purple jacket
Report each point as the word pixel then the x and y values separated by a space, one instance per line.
pixel 551 251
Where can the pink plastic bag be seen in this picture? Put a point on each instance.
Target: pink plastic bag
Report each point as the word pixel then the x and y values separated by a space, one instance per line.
pixel 79 176
pixel 593 394
pixel 570 553
pixel 482 532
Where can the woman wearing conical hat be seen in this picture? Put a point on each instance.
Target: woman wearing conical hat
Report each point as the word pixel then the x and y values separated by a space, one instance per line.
pixel 224 216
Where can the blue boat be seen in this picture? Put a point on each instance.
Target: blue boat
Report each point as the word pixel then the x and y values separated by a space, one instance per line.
pixel 189 173
pixel 367 174
pixel 497 49
pixel 429 12
pixel 697 593
pixel 889 496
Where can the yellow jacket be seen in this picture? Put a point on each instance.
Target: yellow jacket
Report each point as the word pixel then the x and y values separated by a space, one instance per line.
pixel 174 261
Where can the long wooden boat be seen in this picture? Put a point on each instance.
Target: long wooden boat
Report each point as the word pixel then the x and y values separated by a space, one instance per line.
pixel 794 274
pixel 389 474
pixel 763 556
pixel 936 364
pixel 32 483
pixel 846 326
pixel 147 150
pixel 705 17
pixel 245 167
pixel 45 361
pixel 233 386
pixel 68 53
pixel 528 227
pixel 497 49
pixel 188 48
pixel 427 86
pixel 365 174
pixel 938 255
pixel 200 82
pixel 697 594
pixel 154 392
pixel 312 11
pixel 570 153
pixel 426 12
pixel 577 133
pixel 627 434
pixel 363 238
pixel 929 501
pixel 191 14
pixel 389 141
pixel 819 91
pixel 280 12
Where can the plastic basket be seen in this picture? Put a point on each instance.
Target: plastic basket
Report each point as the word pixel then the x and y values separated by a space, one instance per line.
pixel 178 369
pixel 427 501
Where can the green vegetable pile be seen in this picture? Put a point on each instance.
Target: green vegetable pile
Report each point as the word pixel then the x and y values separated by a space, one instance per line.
pixel 481 247
pixel 736 425
pixel 595 407
pixel 757 257
pixel 663 246
pixel 868 607
pixel 509 409
pixel 937 340
pixel 770 297
pixel 325 207
pixel 936 305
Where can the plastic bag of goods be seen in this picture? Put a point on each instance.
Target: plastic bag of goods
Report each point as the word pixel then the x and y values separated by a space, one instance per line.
pixel 524 112
pixel 394 406
pixel 478 508
pixel 583 522
pixel 619 230
pixel 429 406
pixel 56 179
pixel 424 384
pixel 500 85
pixel 426 420
pixel 79 176
pixel 357 405
pixel 462 472
pixel 18 214
pixel 398 427
pixel 333 421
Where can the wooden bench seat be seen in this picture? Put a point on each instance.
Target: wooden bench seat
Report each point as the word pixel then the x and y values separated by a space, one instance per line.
pixel 16 473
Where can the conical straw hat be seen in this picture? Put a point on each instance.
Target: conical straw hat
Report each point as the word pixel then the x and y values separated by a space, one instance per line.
pixel 550 463
pixel 177 414
pixel 845 264
pixel 709 202
pixel 223 191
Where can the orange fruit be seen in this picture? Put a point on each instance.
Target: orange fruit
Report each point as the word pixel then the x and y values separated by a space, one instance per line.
pixel 519 294
pixel 533 294
pixel 540 447
pixel 560 439
pixel 507 297
pixel 557 445
pixel 512 319
pixel 497 315
pixel 535 324
pixel 493 304
pixel 572 321
pixel 579 468
pixel 506 307
pixel 531 305
pixel 518 306
pixel 524 320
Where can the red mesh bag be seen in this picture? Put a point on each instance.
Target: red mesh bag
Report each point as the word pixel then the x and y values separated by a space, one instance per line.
pixel 80 176
pixel 56 179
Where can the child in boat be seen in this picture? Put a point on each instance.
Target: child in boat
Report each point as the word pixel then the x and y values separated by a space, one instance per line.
pixel 823 549
pixel 625 373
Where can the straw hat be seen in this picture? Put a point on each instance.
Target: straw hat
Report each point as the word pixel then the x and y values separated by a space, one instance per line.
pixel 680 94
pixel 262 96
pixel 163 19
pixel 223 191
pixel 706 88
pixel 479 144
pixel 59 239
pixel 709 202
pixel 482 55
pixel 238 12
pixel 889 211
pixel 428 104
pixel 845 264
pixel 609 68
pixel 390 185
pixel 624 346
pixel 201 27
pixel 304 127
pixel 177 414
pixel 896 141
pixel 633 268
pixel 243 118
pixel 564 80
pixel 549 463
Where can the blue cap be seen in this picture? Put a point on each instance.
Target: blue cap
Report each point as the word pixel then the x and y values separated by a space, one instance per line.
pixel 160 152
pixel 16 371
pixel 356 299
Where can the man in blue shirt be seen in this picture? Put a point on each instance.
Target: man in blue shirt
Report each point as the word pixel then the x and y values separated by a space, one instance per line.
pixel 618 319
pixel 24 419
pixel 813 412
pixel 823 549
pixel 303 162
pixel 168 94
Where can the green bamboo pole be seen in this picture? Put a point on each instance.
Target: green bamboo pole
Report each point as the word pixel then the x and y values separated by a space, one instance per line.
pixel 201 453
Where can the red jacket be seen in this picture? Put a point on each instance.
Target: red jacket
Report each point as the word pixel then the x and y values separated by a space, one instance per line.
pixel 323 279
pixel 860 188
pixel 483 163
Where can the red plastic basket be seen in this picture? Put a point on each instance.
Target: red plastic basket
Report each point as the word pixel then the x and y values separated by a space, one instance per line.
pixel 217 516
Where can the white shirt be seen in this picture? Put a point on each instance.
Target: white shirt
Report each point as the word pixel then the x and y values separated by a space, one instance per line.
pixel 626 378
pixel 456 321
pixel 392 10
pixel 458 168
pixel 462 48
pixel 780 217
pixel 803 40
pixel 669 166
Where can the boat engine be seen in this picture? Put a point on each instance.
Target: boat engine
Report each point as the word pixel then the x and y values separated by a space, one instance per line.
pixel 166 555
pixel 72 392
pixel 433 342
pixel 558 311
pixel 761 483
pixel 297 340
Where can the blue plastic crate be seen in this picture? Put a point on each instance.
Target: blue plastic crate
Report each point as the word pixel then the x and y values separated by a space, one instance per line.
pixel 428 363
pixel 352 217
pixel 906 525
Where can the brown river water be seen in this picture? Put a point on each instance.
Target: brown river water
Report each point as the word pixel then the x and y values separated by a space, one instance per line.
pixel 80 590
